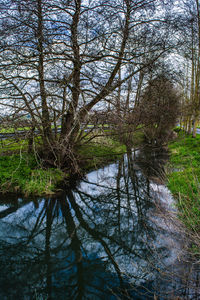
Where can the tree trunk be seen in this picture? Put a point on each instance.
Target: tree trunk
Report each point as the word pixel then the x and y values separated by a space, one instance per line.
pixel 46 124
pixel 194 133
pixel 190 126
pixel 139 87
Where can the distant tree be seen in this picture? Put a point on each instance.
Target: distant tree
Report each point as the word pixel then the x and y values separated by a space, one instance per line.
pixel 159 109
pixel 190 50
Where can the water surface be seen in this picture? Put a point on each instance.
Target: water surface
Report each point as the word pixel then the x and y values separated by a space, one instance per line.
pixel 113 235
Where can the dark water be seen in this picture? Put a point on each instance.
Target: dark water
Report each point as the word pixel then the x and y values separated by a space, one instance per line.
pixel 114 235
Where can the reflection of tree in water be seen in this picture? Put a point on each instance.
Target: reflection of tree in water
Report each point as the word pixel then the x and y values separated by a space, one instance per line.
pixel 94 242
pixel 152 162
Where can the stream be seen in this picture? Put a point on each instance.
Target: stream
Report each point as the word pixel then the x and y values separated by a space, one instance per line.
pixel 112 235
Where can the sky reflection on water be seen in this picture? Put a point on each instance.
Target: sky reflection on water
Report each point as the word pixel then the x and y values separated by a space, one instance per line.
pixel 113 236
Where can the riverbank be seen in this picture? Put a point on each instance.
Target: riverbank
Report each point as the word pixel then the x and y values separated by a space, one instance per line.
pixel 184 179
pixel 23 173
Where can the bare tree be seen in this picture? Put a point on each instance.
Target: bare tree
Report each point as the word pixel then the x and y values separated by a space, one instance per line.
pixel 60 59
pixel 190 52
pixel 159 109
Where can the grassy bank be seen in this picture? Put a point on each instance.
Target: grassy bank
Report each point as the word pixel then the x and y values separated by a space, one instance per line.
pixel 22 173
pixel 184 178
pixel 99 152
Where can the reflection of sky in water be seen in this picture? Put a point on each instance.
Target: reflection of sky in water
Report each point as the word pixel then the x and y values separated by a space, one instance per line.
pixel 3 207
pixel 100 180
pixel 114 218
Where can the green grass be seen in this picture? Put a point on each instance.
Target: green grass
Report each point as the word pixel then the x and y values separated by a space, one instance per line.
pixel 132 137
pixel 12 145
pixel 184 178
pixel 13 130
pixel 99 152
pixel 21 174
pixel 138 136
